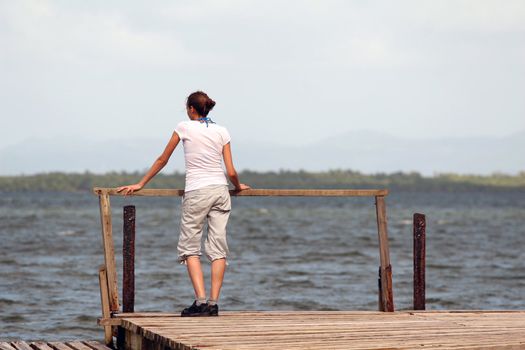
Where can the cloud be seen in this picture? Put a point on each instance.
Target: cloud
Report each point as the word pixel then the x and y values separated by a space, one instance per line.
pixel 479 16
pixel 45 32
pixel 453 66
pixel 251 33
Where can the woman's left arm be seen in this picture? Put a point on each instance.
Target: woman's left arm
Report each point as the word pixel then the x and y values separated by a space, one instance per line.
pixel 157 166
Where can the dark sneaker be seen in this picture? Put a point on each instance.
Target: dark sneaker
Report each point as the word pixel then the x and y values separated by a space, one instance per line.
pixel 196 310
pixel 213 310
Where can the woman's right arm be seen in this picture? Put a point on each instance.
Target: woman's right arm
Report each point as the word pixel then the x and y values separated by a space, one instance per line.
pixel 157 166
pixel 230 169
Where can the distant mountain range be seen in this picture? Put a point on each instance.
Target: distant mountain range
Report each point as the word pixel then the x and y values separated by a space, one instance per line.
pixel 365 151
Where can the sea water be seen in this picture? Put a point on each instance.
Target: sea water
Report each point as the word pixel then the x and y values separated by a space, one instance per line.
pixel 286 254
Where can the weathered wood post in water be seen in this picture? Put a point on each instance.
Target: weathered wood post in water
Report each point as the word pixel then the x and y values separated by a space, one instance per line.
pixel 109 250
pixel 385 270
pixel 419 261
pixel 128 260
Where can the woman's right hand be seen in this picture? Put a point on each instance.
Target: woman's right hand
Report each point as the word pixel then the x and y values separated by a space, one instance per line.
pixel 129 189
pixel 243 187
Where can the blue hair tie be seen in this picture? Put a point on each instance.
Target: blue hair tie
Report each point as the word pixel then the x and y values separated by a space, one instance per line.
pixel 206 120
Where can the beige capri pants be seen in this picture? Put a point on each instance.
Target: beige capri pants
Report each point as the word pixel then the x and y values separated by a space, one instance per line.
pixel 214 204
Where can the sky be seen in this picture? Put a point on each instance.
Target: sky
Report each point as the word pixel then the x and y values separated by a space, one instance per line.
pixel 282 72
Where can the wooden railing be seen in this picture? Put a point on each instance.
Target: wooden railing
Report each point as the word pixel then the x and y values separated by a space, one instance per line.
pixel 109 273
pixel 253 193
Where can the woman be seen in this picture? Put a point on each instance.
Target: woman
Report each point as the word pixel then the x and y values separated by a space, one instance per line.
pixel 206 196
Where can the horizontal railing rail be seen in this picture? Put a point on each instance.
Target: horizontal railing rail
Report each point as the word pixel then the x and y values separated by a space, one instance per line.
pixel 151 192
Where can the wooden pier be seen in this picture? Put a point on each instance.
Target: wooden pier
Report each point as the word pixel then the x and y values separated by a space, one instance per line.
pixel 325 330
pixel 383 329
pixel 41 345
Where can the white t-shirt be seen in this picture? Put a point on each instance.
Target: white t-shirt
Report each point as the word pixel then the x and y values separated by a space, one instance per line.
pixel 203 153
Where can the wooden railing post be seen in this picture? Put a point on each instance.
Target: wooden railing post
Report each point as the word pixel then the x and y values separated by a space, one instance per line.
pixel 109 250
pixel 104 301
pixel 387 295
pixel 419 261
pixel 128 260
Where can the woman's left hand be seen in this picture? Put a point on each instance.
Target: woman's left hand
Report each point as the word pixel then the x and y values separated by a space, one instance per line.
pixel 129 189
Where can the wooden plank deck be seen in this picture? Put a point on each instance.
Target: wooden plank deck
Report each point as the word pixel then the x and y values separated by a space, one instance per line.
pixel 41 345
pixel 327 330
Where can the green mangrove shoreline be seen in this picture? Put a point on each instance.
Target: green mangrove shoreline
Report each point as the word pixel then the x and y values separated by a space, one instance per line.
pixel 411 181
